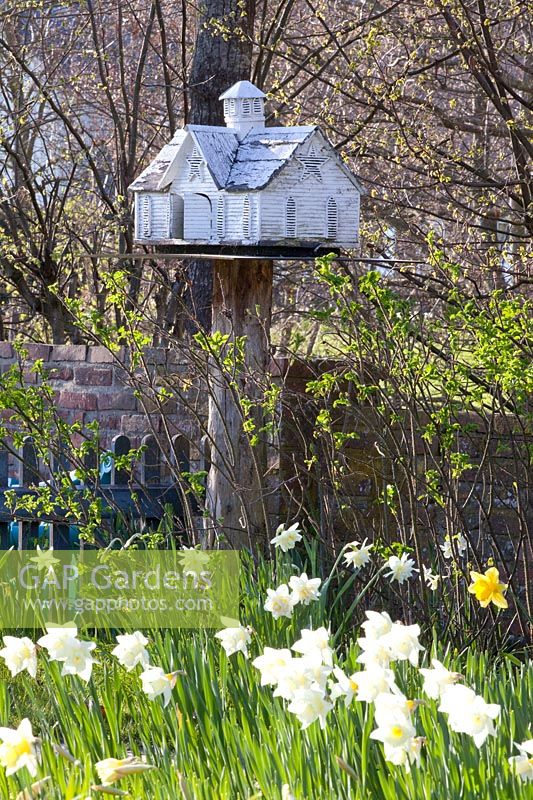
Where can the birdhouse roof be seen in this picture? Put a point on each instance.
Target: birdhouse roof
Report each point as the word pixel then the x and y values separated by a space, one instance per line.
pixel 234 165
pixel 242 89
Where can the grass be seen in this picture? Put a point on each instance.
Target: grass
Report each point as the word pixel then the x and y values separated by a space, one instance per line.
pixel 224 737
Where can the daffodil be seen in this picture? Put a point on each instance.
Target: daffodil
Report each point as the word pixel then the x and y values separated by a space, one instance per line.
pixel 468 712
pixel 438 678
pixel 58 642
pixel 271 664
pixel 155 681
pixel 522 765
pixel 310 705
pixel 286 538
pixel 487 588
pixel 431 579
pixel 77 659
pixel 460 544
pixel 17 749
pixel 346 686
pixel 304 589
pixel 357 555
pixel 235 639
pixel 401 569
pixel 403 644
pixel 377 624
pixel 131 650
pixel 279 602
pixel 315 641
pixel 113 769
pixel 19 654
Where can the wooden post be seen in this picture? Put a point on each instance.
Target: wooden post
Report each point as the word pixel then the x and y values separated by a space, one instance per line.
pixel 242 305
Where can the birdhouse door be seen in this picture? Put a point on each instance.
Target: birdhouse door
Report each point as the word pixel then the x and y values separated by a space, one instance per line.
pixel 198 217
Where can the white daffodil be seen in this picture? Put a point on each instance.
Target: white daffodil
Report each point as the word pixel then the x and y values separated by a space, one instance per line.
pixel 401 569
pixel 373 682
pixel 279 602
pixel 302 673
pixel 438 678
pixel 407 755
pixel 402 642
pixel 357 555
pixel 131 650
pixel 460 545
pixel 19 654
pixel 286 793
pixel 310 705
pixel 272 664
pixel 377 624
pixel 522 765
pixel 286 538
pixel 58 642
pixel 77 659
pixel 375 652
pixel 431 579
pixel 113 769
pixel 346 686
pixel 312 641
pixel 395 732
pixel 468 712
pixel 17 748
pixel 389 705
pixel 235 640
pixel 155 682
pixel 304 589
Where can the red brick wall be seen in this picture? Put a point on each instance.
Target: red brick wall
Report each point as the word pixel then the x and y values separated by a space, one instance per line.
pixel 91 383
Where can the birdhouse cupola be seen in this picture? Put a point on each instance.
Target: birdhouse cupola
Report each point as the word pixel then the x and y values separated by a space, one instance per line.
pixel 244 107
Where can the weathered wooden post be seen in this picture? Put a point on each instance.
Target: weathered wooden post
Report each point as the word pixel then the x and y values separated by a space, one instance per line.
pixel 242 302
pixel 244 194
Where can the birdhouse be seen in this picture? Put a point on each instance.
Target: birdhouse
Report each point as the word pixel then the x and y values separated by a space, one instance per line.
pixel 247 188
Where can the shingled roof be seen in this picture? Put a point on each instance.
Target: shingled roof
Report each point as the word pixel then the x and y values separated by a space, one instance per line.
pixel 234 165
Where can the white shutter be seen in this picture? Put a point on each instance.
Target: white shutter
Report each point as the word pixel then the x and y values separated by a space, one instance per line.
pixel 290 217
pixel 246 217
pixel 331 218
pixel 145 219
pixel 221 217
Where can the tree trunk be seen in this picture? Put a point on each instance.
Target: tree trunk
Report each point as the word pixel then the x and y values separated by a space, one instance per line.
pixel 242 302
pixel 222 56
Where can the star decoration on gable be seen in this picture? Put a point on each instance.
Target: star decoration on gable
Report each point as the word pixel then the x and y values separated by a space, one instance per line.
pixel 195 164
pixel 312 163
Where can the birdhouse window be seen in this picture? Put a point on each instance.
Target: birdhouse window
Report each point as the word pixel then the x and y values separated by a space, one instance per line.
pixel 146 216
pixel 246 217
pixel 195 164
pixel 246 106
pixel 331 218
pixel 220 218
pixel 290 217
pixel 257 105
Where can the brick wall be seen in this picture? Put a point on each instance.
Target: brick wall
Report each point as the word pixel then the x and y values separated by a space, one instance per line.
pixel 91 383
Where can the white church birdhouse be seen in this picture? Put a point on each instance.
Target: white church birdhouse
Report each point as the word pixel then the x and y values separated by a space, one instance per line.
pixel 246 188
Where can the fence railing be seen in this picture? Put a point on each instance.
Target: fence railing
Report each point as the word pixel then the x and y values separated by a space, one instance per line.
pixel 142 495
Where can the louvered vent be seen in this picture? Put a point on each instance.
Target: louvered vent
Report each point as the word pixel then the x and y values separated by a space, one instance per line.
pixel 246 217
pixel 290 217
pixel 246 106
pixel 146 217
pixel 168 215
pixel 220 218
pixel 258 105
pixel 331 218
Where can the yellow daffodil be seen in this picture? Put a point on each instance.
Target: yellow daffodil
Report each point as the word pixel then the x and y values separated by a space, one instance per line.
pixel 487 588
